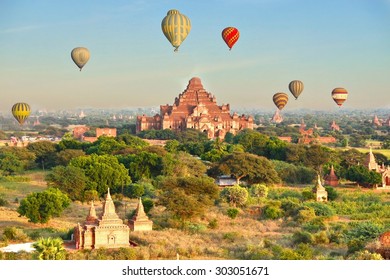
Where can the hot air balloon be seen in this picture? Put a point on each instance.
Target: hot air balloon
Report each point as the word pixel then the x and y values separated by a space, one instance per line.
pixel 339 95
pixel 296 88
pixel 230 35
pixel 80 56
pixel 280 99
pixel 175 27
pixel 21 111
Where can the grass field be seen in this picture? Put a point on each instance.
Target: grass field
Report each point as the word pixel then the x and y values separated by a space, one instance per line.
pixel 249 236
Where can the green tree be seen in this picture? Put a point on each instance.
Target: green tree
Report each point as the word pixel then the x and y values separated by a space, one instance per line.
pixel 187 197
pixel 63 157
pixel 10 164
pixel 254 169
pixel 40 207
pixel 103 172
pixel 132 141
pixel 316 157
pixel 25 156
pixel 50 249
pixel 361 175
pixel 252 141
pixel 105 145
pixel 45 152
pixel 69 179
pixel 182 164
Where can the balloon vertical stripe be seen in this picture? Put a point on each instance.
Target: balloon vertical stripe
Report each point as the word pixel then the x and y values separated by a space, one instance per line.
pixel 296 88
pixel 21 111
pixel 175 27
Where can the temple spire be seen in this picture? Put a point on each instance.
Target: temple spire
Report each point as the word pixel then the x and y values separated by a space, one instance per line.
pixel 92 217
pixel 109 207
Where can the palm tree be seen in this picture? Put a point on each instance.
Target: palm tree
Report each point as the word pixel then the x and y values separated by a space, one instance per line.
pixel 50 249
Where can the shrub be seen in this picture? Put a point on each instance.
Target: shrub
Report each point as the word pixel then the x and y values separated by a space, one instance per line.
pixel 332 193
pixel 273 210
pixel 315 225
pixel 14 234
pixel 213 224
pixel 308 194
pixel 232 213
pixel 306 214
pixel 230 236
pixel 303 237
pixel 291 206
pixel 321 209
pixel 235 195
pixel 3 201
pixel 195 228
pixel 321 238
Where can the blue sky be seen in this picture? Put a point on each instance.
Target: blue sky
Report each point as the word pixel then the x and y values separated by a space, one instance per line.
pixel 325 44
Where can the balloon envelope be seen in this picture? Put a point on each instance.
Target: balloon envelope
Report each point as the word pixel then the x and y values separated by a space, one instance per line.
pixel 21 111
pixel 339 95
pixel 296 88
pixel 176 27
pixel 280 100
pixel 230 35
pixel 80 56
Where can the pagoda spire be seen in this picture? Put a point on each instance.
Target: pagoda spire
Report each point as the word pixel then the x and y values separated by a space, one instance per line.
pixel 371 162
pixel 92 217
pixel 109 207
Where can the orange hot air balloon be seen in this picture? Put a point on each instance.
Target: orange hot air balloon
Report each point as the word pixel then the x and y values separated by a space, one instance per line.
pixel 230 35
pixel 296 88
pixel 339 95
pixel 280 99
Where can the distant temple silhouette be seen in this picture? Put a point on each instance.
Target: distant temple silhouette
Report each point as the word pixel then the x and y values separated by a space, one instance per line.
pixel 196 108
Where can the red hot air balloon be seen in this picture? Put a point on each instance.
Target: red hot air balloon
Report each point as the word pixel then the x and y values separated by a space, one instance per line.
pixel 230 35
pixel 339 95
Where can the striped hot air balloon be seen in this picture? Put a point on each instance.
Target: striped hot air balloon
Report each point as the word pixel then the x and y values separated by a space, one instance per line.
pixel 230 35
pixel 176 27
pixel 80 56
pixel 339 95
pixel 296 88
pixel 280 99
pixel 21 111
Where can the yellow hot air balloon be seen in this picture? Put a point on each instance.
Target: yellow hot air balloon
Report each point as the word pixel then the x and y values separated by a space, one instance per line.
pixel 280 99
pixel 296 88
pixel 21 111
pixel 339 95
pixel 175 27
pixel 80 56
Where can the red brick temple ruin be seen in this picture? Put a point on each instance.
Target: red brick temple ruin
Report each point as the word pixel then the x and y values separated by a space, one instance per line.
pixel 331 179
pixel 197 109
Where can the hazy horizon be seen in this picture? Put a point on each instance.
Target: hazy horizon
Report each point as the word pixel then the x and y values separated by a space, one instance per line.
pixel 325 44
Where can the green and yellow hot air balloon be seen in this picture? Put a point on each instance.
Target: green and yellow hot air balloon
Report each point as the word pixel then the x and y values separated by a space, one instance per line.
pixel 80 56
pixel 176 27
pixel 21 111
pixel 280 100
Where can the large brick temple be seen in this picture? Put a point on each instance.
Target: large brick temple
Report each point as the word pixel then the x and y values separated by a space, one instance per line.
pixel 196 108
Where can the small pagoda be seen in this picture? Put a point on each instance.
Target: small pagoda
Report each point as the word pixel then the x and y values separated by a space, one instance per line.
pixel 140 221
pixel 106 231
pixel 331 179
pixel 320 192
